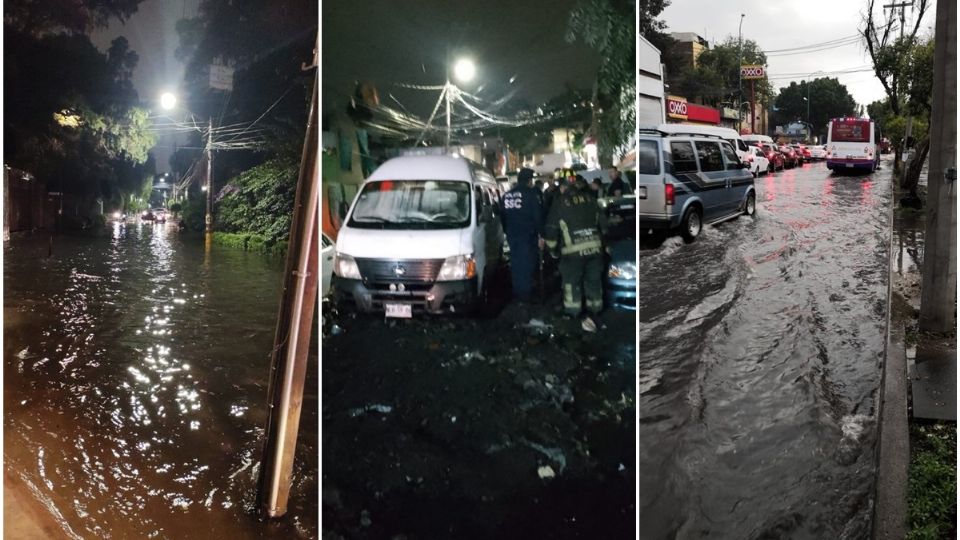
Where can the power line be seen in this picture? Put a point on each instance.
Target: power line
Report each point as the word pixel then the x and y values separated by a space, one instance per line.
pixel 812 45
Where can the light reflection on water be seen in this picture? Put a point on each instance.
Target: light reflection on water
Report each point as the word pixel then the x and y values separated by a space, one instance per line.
pixel 128 402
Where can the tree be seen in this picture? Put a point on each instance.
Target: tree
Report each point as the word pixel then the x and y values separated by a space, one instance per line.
pixel 889 52
pixel 828 99
pixel 72 16
pixel 607 26
pixel 68 117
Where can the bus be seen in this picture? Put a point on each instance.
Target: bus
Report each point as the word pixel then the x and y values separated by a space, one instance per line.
pixel 852 144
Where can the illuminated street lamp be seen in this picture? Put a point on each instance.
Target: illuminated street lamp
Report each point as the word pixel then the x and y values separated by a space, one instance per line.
pixel 168 101
pixel 464 70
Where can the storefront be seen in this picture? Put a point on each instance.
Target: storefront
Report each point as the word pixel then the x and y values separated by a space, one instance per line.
pixel 681 112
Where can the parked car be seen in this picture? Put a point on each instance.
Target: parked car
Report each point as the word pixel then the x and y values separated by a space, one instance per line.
pixel 790 159
pixel 758 161
pixel 423 234
pixel 620 284
pixel 803 152
pixel 327 250
pixel 685 181
pixel 818 152
pixel 774 157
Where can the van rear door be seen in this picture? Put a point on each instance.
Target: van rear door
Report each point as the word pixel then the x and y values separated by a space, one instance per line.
pixel 650 192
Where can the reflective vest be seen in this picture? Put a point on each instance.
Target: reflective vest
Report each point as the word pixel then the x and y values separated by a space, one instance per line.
pixel 575 223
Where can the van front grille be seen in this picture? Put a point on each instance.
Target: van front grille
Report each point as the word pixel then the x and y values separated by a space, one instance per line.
pixel 399 270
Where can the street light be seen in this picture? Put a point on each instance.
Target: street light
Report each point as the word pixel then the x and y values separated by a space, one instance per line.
pixel 465 69
pixel 807 99
pixel 168 101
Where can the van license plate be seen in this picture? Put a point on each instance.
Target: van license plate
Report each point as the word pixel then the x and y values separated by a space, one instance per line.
pixel 642 192
pixel 402 311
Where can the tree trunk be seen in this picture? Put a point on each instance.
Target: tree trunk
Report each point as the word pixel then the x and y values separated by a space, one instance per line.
pixel 912 178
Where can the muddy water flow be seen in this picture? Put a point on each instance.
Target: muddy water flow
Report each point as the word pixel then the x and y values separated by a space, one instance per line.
pixel 135 368
pixel 759 362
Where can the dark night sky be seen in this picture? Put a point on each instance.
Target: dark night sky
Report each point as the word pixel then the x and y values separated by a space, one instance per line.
pixel 389 41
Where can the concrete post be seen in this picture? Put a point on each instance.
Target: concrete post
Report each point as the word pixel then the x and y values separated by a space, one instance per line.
pixel 939 290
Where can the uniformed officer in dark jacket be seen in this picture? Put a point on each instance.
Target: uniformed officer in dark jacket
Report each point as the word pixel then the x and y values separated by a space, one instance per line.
pixel 523 223
pixel 574 228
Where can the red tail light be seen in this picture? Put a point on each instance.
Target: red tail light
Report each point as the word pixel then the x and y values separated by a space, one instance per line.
pixel 668 191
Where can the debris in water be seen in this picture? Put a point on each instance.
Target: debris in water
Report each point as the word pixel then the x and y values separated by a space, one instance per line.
pixel 365 520
pixel 588 325
pixel 24 354
pixel 538 324
pixel 546 471
pixel 336 329
pixel 373 407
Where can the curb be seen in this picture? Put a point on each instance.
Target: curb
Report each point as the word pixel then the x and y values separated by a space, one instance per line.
pixel 893 437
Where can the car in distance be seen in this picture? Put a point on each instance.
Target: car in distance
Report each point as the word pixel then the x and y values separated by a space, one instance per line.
pixel 790 159
pixel 774 157
pixel 817 152
pixel 758 161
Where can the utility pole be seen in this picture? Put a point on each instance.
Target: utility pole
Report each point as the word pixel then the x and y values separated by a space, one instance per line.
pixel 939 288
pixel 740 74
pixel 446 95
pixel 209 218
pixel 288 365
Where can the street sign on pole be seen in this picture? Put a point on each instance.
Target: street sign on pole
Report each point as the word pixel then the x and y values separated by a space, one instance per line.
pixel 221 77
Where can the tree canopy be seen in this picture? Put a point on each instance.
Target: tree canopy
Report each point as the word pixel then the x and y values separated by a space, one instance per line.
pixel 70 116
pixel 608 27
pixel 828 99
pixel 72 16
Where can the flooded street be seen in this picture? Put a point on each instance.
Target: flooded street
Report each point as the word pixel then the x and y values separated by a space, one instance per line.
pixel 135 389
pixel 759 363
pixel 502 427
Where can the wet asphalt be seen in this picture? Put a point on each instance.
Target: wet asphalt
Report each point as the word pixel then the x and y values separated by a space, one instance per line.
pixel 759 363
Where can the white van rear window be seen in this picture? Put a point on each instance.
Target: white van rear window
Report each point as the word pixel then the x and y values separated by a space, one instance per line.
pixel 648 157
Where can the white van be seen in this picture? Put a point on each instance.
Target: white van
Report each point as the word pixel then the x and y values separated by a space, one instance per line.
pixel 754 140
pixel 727 134
pixel 422 235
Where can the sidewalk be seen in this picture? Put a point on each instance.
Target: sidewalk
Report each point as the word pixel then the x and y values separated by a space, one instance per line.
pixel 920 377
pixel 24 517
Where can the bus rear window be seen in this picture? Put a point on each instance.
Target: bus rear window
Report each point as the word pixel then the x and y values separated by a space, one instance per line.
pixel 851 131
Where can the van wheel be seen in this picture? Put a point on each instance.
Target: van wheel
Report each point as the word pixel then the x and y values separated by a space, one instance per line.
pixel 691 225
pixel 750 208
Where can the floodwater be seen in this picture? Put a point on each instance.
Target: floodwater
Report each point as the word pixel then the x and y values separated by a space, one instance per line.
pixel 759 363
pixel 135 385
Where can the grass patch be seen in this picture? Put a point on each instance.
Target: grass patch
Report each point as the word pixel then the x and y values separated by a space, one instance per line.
pixel 932 491
pixel 250 242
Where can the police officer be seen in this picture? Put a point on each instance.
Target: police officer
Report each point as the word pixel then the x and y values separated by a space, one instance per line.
pixel 574 227
pixel 523 223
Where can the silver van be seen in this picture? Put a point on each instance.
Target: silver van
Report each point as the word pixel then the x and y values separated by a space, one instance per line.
pixel 686 179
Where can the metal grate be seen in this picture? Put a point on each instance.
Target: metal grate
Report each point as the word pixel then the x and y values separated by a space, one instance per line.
pixel 399 270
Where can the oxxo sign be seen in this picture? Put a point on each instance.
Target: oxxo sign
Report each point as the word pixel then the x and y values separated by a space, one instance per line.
pixel 677 107
pixel 752 72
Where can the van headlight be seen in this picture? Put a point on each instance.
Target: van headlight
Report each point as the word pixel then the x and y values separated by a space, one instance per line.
pixel 346 267
pixel 627 270
pixel 457 268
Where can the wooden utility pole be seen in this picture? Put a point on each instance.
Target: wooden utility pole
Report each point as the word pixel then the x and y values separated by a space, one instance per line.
pixel 288 364
pixel 938 296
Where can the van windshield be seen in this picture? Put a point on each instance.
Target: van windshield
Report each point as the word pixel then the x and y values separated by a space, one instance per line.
pixel 412 204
